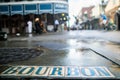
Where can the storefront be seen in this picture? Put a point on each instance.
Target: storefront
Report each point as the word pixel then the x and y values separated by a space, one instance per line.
pixel 4 16
pixel 113 12
pixel 117 19
pixel 18 13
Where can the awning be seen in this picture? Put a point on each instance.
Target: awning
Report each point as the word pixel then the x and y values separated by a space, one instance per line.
pixel 30 8
pixel 16 9
pixel 45 8
pixel 60 8
pixel 4 9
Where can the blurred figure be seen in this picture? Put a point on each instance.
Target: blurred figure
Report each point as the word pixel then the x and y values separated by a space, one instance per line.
pixel 56 25
pixel 65 26
pixel 38 26
pixel 43 25
pixel 103 20
pixel 29 23
pixel 111 25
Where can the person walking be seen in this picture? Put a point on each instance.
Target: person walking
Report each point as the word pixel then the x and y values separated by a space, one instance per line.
pixel 38 26
pixel 103 20
pixel 56 25
pixel 29 23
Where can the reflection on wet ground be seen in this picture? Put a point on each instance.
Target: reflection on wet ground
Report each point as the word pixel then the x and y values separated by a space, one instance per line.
pixel 69 52
pixel 82 57
pixel 64 52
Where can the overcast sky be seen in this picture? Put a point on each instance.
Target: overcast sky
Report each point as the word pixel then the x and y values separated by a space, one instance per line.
pixel 76 5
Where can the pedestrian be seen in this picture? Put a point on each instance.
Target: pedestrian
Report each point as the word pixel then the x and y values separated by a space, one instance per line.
pixel 43 25
pixel 29 23
pixel 56 25
pixel 110 24
pixel 65 27
pixel 38 26
pixel 103 20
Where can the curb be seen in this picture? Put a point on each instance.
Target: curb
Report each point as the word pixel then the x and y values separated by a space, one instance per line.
pixel 106 55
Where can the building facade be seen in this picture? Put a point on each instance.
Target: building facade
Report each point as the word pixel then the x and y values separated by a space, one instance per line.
pixel 86 13
pixel 113 11
pixel 14 14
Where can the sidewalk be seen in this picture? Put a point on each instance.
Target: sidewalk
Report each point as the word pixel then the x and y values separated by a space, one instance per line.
pixel 107 53
pixel 113 36
pixel 112 50
pixel 20 38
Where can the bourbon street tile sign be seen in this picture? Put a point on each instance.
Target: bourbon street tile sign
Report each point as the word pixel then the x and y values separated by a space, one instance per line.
pixel 58 72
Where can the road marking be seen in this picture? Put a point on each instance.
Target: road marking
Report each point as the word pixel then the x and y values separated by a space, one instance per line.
pixel 58 71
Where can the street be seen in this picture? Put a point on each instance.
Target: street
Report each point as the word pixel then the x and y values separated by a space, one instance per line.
pixel 60 39
pixel 73 48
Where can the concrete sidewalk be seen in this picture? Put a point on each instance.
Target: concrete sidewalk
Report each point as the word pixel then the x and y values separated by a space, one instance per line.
pixel 112 36
pixel 112 51
pixel 107 53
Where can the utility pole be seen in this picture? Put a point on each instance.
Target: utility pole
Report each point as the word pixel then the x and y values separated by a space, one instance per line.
pixel 102 6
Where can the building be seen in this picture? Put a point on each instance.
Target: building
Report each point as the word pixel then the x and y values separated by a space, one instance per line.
pixel 14 14
pixel 112 11
pixel 86 13
pixel 98 9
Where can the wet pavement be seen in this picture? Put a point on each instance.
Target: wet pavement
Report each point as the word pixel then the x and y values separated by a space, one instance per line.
pixel 67 41
pixel 18 54
pixel 72 57
pixel 77 48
